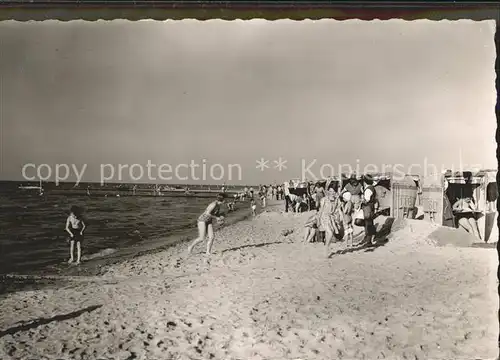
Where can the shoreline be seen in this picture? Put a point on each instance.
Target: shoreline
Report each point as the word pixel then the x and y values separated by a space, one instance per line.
pixel 94 265
pixel 264 295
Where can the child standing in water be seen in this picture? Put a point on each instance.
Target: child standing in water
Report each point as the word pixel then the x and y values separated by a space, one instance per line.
pixel 253 207
pixel 75 226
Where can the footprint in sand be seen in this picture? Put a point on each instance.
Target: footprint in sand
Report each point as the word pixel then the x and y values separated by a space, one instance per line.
pixel 178 263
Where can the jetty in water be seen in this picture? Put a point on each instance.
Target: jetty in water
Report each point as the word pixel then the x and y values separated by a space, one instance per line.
pixel 141 190
pixel 142 193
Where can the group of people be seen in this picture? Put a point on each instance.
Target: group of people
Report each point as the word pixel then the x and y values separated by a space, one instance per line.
pixel 265 192
pixel 332 219
pixel 337 210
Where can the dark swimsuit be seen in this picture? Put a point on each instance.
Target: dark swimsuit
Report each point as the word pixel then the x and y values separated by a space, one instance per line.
pixel 208 218
pixel 77 236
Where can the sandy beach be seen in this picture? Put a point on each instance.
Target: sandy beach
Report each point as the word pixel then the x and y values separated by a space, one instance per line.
pixel 263 295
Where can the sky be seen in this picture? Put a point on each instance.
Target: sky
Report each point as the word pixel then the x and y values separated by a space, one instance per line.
pixel 222 95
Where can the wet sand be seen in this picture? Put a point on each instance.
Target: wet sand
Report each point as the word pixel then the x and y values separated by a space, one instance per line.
pixel 263 295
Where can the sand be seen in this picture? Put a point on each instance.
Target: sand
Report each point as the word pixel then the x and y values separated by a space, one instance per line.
pixel 263 295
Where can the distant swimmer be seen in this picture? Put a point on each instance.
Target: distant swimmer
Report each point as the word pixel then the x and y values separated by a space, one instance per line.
pixel 75 226
pixel 205 223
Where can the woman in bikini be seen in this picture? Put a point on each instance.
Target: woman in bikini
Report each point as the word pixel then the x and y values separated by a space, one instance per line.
pixel 205 224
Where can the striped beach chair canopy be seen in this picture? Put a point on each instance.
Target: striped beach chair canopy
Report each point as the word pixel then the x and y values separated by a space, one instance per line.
pixel 347 176
pixel 297 184
pixel 379 176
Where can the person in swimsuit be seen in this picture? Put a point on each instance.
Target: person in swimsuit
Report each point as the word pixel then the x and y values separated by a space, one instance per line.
pixel 205 223
pixel 75 226
pixel 253 207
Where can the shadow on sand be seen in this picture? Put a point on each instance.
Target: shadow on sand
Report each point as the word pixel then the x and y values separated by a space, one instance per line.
pixel 380 239
pixel 252 246
pixel 12 285
pixel 484 245
pixel 44 321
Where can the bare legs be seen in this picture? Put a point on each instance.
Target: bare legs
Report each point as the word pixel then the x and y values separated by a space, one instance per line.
pixel 71 249
pixel 350 238
pixel 470 225
pixel 203 230
pixel 210 242
pixel 309 234
pixel 78 252
pixel 328 240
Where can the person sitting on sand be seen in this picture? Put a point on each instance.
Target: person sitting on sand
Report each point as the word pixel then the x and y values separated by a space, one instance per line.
pixel 293 202
pixel 301 204
pixel 465 213
pixel 253 207
pixel 311 228
pixel 331 218
pixel 205 223
pixel 75 226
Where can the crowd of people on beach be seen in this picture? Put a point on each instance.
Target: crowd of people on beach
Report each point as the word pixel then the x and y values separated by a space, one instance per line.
pixel 273 191
pixel 335 211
